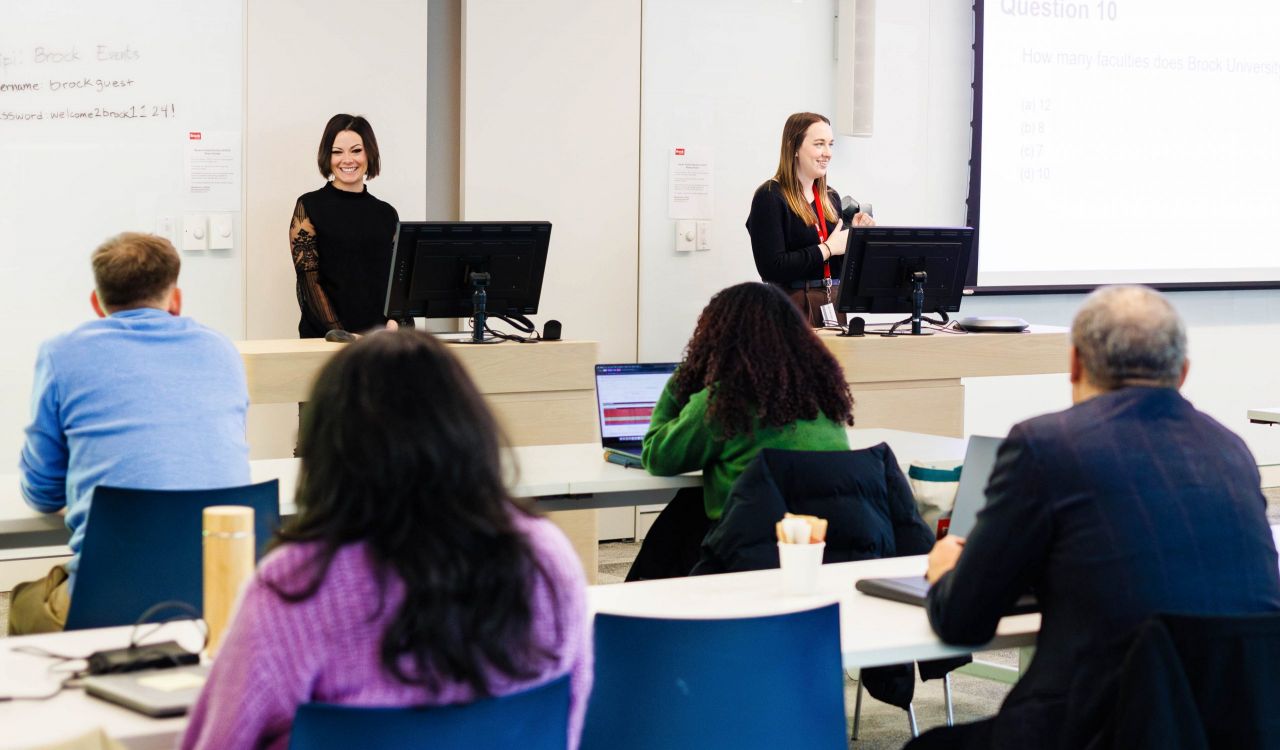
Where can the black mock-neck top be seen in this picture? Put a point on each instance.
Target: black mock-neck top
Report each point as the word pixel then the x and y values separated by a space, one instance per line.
pixel 354 233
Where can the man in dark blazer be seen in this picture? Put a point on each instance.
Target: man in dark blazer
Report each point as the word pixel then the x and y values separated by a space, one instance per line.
pixel 1129 503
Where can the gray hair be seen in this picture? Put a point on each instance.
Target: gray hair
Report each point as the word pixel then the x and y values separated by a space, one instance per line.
pixel 1129 333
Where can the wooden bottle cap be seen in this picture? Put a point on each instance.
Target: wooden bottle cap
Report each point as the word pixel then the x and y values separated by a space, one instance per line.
pixel 228 521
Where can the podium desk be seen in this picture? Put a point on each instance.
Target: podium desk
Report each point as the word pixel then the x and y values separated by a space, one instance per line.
pixel 913 383
pixel 541 394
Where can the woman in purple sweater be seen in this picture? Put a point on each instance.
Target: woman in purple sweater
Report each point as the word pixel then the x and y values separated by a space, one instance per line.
pixel 408 576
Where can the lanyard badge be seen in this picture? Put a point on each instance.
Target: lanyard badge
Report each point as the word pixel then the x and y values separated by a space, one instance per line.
pixel 822 237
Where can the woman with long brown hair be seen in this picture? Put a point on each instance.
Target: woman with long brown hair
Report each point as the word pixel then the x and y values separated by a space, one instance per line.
pixel 754 376
pixel 795 215
pixel 409 575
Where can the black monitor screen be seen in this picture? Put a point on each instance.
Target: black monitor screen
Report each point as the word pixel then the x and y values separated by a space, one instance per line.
pixel 432 263
pixel 880 261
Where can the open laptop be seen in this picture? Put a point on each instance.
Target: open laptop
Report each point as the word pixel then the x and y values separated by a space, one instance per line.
pixel 625 397
pixel 971 496
pixel 155 692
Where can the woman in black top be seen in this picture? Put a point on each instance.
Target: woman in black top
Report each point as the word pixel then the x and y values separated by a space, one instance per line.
pixel 791 247
pixel 341 236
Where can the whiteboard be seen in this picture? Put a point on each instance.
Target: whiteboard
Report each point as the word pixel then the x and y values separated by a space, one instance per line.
pixel 96 104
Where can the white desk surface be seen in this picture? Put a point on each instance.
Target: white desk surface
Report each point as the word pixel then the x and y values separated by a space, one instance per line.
pixel 873 631
pixel 72 713
pixel 1268 415
pixel 543 471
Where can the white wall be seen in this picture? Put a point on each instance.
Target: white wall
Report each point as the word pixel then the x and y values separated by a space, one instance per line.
pixel 72 183
pixel 550 130
pixel 723 75
pixel 307 61
pixel 757 61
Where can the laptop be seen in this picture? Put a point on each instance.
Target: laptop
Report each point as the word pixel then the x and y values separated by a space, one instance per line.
pixel 170 691
pixel 625 397
pixel 971 496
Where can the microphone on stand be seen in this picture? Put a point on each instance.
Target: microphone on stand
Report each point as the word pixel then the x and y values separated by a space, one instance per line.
pixel 848 209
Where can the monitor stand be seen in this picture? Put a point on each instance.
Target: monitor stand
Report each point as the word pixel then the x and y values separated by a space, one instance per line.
pixel 918 280
pixel 479 320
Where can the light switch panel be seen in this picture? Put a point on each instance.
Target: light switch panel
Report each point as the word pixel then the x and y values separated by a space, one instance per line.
pixel 195 232
pixel 686 236
pixel 221 232
pixel 703 235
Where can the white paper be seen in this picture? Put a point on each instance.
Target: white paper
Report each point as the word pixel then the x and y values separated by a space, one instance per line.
pixel 211 168
pixel 689 184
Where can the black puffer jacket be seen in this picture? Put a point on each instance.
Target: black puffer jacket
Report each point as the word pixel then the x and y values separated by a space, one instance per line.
pixel 871 513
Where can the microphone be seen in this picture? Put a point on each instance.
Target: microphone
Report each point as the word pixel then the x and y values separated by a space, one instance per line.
pixel 848 208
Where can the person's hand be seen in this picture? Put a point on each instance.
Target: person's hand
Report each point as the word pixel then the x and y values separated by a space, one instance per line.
pixel 838 241
pixel 863 220
pixel 944 556
pixel 392 325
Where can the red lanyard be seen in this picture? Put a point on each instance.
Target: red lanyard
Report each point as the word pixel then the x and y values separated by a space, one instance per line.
pixel 822 229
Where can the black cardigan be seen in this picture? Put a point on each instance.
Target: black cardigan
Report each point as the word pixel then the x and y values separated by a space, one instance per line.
pixel 785 247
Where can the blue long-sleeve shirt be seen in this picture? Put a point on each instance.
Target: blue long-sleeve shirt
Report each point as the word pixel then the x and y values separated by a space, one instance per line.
pixel 139 399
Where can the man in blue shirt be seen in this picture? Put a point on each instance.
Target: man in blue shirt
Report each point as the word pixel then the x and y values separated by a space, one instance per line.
pixel 141 397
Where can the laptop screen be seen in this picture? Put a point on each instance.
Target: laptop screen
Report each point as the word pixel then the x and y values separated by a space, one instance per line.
pixel 971 495
pixel 625 397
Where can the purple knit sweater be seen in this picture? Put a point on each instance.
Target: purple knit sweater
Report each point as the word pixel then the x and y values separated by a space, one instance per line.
pixel 277 655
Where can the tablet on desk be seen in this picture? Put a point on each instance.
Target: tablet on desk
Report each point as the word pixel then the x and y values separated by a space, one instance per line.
pixel 915 590
pixel 155 692
pixel 979 460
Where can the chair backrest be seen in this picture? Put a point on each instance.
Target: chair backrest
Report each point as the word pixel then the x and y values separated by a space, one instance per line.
pixel 773 681
pixel 535 719
pixel 143 547
pixel 1200 682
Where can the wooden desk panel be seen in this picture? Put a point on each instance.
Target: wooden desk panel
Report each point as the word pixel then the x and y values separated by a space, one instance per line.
pixel 280 371
pixel 913 382
pixel 872 358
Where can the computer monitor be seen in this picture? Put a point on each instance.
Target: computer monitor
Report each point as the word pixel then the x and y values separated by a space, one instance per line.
pixel 439 267
pixel 907 270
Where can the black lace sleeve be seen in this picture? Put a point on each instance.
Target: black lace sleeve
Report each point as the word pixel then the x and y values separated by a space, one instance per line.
pixel 312 300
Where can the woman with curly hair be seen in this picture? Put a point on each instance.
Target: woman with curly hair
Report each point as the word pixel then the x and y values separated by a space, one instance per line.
pixel 754 376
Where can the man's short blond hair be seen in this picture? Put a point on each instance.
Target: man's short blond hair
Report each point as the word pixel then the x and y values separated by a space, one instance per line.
pixel 133 269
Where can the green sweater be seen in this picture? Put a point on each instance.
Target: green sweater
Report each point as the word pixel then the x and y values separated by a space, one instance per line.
pixel 681 440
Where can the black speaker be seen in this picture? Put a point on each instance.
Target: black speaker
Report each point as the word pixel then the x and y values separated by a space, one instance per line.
pixel 551 331
pixel 857 327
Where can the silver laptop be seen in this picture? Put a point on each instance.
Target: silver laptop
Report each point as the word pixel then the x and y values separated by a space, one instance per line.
pixel 971 497
pixel 625 397
pixel 155 692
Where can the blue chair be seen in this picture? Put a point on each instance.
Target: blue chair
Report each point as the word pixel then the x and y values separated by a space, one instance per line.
pixel 535 719
pixel 143 547
pixel 772 681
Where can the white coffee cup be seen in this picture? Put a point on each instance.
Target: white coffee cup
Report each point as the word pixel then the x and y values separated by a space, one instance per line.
pixel 800 563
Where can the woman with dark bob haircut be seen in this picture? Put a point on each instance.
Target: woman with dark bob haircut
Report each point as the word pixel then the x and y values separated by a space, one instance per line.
pixel 409 575
pixel 340 236
pixel 754 376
